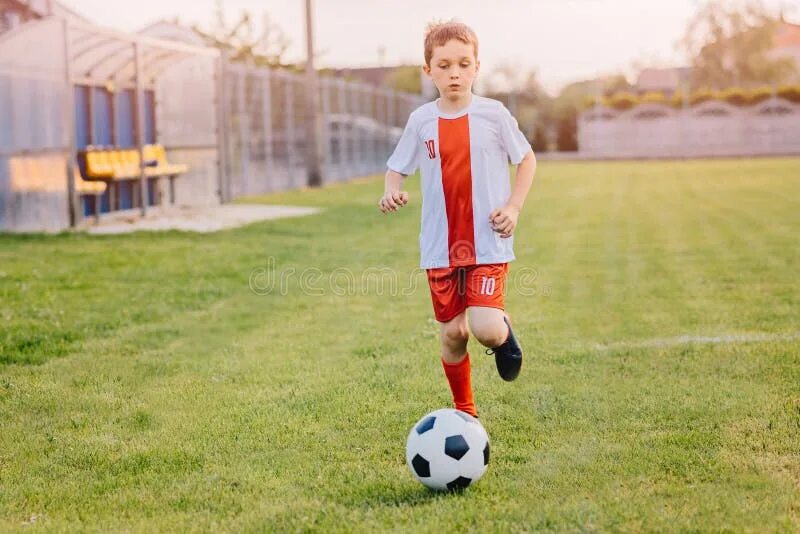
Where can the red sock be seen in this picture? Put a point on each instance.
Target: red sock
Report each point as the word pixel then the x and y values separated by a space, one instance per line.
pixel 458 375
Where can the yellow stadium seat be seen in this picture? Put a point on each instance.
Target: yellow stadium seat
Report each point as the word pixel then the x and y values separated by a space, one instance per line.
pixel 89 187
pixel 102 159
pixel 125 163
pixel 150 153
pixel 97 166
pixel 103 166
pixel 115 160
pixel 161 154
pixel 93 188
pixel 163 168
pixel 131 158
pixel 122 167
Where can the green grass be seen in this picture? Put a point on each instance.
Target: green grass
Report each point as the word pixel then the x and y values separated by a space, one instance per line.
pixel 144 386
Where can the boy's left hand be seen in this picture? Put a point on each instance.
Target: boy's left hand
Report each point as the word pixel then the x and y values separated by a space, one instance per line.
pixel 504 220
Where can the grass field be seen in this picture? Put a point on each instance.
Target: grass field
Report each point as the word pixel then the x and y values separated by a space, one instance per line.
pixel 145 385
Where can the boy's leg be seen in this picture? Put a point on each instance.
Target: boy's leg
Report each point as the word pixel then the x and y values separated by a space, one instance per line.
pixel 454 336
pixel 449 304
pixel 455 361
pixel 488 325
pixel 492 328
pixel 488 321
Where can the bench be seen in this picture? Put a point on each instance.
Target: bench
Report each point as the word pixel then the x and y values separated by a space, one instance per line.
pixel 95 189
pixel 162 167
pixel 111 165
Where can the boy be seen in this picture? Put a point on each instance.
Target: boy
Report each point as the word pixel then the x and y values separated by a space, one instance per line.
pixel 462 142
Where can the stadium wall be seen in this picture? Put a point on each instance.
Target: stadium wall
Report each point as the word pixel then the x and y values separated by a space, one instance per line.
pixel 709 129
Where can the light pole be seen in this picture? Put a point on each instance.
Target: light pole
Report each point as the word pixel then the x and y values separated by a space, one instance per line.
pixel 313 155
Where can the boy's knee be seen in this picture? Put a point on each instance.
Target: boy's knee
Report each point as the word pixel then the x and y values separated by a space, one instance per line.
pixel 455 331
pixel 491 333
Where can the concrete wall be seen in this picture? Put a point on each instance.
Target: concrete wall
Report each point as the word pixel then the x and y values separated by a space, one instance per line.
pixel 706 130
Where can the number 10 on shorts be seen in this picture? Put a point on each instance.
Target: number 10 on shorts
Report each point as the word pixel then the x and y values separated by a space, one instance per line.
pixel 487 285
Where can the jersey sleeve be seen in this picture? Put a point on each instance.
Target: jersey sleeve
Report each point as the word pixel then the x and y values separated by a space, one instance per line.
pixel 405 158
pixel 514 141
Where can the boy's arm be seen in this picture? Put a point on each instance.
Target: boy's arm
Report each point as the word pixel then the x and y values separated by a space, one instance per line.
pixel 504 220
pixel 393 199
pixel 526 170
pixel 405 159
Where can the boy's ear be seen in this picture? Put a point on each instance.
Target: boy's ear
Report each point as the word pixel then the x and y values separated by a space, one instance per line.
pixel 426 69
pixel 477 66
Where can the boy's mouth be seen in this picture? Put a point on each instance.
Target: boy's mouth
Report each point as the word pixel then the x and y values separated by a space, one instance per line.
pixel 454 86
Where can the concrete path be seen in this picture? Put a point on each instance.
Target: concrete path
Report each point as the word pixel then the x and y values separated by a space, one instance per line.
pixel 192 218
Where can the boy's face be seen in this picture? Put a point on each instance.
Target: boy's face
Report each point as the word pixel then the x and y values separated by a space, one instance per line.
pixel 453 69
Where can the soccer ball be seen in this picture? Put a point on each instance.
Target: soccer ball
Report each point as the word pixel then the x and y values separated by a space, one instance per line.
pixel 447 450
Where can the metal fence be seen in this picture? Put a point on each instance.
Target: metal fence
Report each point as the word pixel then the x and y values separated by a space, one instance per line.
pixel 265 120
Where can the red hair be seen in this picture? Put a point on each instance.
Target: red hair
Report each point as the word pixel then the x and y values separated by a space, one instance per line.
pixel 438 33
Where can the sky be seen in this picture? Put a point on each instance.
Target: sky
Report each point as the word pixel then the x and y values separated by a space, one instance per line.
pixel 563 40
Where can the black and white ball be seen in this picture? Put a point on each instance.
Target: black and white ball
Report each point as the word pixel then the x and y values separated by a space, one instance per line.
pixel 447 450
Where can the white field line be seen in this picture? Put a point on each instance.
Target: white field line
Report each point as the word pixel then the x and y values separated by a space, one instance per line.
pixel 698 340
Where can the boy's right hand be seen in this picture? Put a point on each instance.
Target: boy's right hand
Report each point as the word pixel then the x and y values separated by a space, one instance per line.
pixel 393 201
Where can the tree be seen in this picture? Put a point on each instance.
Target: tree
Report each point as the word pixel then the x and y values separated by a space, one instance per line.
pixel 729 44
pixel 406 78
pixel 521 91
pixel 571 101
pixel 265 49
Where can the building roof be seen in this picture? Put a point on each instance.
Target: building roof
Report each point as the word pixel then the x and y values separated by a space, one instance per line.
pixel 787 34
pixel 16 12
pixel 43 8
pixel 171 30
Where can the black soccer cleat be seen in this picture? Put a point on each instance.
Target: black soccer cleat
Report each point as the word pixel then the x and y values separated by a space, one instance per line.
pixel 508 356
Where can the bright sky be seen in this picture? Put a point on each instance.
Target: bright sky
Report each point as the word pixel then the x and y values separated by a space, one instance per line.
pixel 564 40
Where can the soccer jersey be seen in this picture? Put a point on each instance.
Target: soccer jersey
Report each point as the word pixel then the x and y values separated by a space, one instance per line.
pixel 463 158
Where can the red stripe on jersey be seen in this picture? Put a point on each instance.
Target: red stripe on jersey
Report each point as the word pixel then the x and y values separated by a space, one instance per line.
pixel 457 185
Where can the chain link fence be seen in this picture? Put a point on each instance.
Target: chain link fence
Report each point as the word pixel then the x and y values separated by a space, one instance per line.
pixel 265 117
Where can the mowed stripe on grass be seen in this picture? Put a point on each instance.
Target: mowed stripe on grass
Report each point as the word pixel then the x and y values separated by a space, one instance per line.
pixel 145 385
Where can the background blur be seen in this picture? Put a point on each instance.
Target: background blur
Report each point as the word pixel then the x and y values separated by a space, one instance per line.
pixel 107 108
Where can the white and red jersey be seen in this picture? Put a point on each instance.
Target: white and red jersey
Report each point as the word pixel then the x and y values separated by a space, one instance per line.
pixel 463 158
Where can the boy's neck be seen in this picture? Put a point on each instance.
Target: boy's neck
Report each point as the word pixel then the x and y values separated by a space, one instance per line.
pixel 456 105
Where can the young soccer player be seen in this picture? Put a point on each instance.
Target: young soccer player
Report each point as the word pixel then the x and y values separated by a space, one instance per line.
pixel 462 142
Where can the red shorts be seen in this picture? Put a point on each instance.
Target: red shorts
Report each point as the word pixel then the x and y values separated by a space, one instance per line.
pixel 453 289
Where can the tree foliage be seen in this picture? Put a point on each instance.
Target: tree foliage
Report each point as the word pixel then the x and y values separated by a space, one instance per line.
pixel 407 78
pixel 571 100
pixel 266 48
pixel 521 91
pixel 729 44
